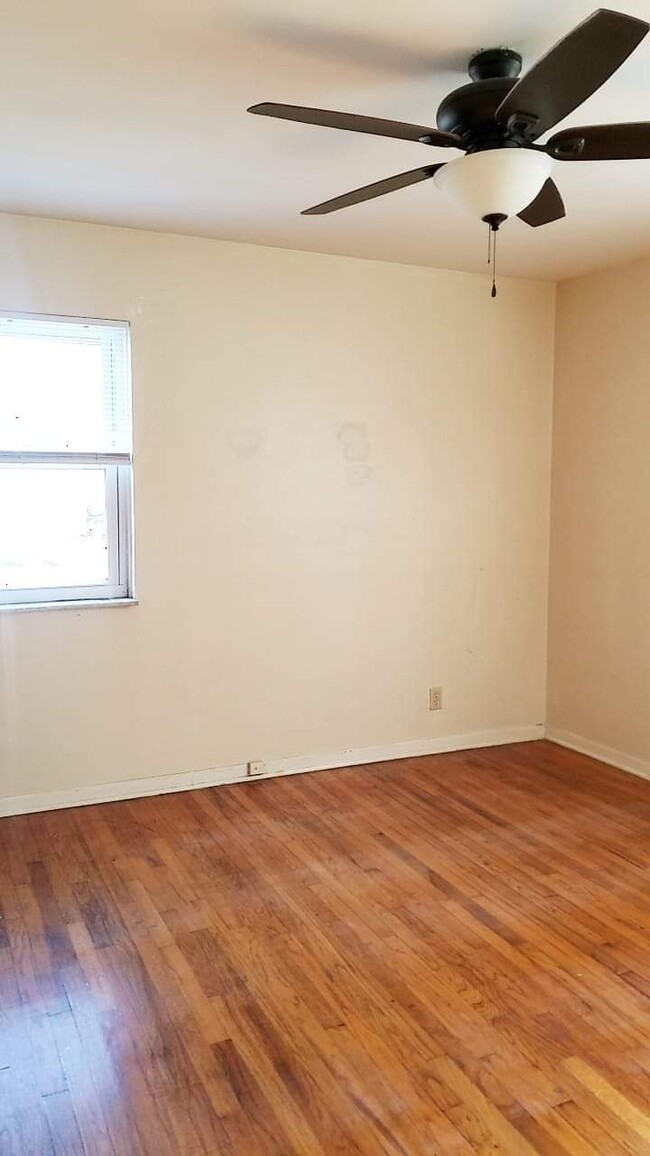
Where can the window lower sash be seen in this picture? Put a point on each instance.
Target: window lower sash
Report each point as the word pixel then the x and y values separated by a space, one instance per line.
pixel 118 498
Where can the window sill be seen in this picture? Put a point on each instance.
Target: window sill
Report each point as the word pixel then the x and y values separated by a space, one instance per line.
pixel 73 604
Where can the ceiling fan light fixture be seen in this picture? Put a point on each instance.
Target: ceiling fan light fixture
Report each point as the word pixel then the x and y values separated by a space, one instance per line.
pixel 495 181
pixel 515 111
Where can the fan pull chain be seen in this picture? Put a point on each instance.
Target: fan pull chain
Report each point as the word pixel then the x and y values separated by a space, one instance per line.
pixel 494 222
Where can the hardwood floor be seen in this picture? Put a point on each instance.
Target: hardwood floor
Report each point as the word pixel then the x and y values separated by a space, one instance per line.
pixel 444 955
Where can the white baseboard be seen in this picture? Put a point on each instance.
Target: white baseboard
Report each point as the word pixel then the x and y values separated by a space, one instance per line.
pixel 192 780
pixel 598 751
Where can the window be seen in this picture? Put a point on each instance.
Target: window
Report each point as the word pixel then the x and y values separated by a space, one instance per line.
pixel 65 460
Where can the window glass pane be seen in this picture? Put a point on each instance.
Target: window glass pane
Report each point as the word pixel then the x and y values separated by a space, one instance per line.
pixel 53 526
pixel 64 386
pixel 51 394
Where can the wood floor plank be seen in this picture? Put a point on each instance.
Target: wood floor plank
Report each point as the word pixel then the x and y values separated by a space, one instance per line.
pixel 618 1104
pixel 431 957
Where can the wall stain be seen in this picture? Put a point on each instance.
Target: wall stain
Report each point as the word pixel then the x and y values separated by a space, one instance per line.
pixel 353 436
pixel 245 442
pixel 358 473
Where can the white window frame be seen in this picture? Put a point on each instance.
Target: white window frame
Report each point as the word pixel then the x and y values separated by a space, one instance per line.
pixel 119 505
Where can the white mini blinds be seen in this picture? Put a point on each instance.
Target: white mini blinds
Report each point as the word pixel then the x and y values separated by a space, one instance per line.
pixel 64 386
pixel 65 459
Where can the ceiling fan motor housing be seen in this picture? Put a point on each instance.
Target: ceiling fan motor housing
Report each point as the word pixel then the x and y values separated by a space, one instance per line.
pixel 470 110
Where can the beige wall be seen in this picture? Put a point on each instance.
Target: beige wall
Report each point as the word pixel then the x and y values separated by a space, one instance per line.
pixel 342 485
pixel 599 630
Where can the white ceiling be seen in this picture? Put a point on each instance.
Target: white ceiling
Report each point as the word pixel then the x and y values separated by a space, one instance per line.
pixel 133 113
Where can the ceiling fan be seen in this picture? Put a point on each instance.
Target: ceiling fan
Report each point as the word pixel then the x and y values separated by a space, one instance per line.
pixel 496 121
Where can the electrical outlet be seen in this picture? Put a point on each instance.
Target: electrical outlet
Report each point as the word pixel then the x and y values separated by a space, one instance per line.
pixel 255 768
pixel 435 698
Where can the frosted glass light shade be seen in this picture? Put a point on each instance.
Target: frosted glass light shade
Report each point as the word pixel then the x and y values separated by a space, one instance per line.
pixel 496 180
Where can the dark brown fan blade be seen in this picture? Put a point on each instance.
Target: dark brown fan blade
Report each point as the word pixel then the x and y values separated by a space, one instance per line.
pixel 375 190
pixel 573 69
pixel 353 123
pixel 602 142
pixel 548 206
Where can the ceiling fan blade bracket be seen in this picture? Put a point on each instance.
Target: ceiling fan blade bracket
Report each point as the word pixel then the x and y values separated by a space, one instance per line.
pixel 522 125
pixel 440 139
pixel 568 150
